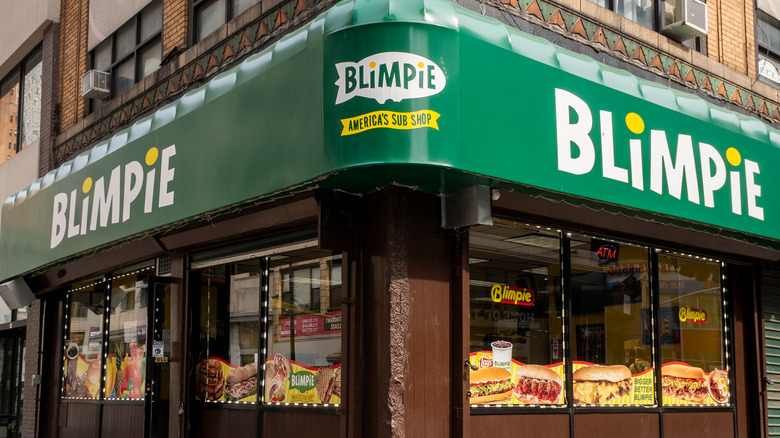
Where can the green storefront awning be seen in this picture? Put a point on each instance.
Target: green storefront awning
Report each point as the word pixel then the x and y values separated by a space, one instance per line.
pixel 419 92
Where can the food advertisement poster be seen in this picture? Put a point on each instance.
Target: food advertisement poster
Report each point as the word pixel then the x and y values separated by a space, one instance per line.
pixel 218 380
pixel 686 385
pixel 612 385
pixel 126 373
pixel 500 380
pixel 287 381
pixel 82 377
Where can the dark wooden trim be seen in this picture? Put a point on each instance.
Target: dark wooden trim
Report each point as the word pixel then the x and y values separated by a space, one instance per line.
pixel 580 217
pixel 461 329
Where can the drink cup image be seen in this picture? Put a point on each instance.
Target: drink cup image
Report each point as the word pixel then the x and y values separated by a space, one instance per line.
pixel 502 355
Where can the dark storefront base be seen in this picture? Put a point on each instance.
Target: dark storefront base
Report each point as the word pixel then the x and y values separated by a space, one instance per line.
pixel 405 333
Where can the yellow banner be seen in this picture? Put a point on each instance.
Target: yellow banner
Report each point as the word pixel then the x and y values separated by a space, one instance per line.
pixel 390 119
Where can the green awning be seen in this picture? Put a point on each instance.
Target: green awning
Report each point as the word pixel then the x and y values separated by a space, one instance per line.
pixel 419 92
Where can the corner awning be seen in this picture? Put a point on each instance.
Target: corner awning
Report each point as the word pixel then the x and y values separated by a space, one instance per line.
pixel 419 92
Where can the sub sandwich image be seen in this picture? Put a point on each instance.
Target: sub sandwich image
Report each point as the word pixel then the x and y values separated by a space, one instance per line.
pixel 241 382
pixel 490 385
pixel 599 384
pixel 537 385
pixel 684 382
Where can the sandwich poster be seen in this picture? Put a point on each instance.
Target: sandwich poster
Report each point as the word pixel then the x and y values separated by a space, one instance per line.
pixel 495 382
pixel 686 385
pixel 611 385
pixel 287 381
pixel 217 380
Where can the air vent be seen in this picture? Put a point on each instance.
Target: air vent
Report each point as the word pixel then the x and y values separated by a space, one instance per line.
pixel 684 19
pixel 96 85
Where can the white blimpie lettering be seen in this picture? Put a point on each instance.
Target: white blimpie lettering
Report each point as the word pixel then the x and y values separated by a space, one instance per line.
pixel 58 220
pixel 573 133
pixel 166 176
pixel 736 195
pixel 637 173
pixel 684 165
pixel 753 190
pixel 106 202
pixel 711 182
pixel 84 215
pixel 125 184
pixel 73 227
pixel 609 169
pixel 687 167
pixel 134 180
pixel 149 193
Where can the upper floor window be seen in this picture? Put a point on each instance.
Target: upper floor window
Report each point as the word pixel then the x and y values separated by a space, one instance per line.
pixel 131 53
pixel 768 36
pixel 211 14
pixel 20 104
pixel 640 11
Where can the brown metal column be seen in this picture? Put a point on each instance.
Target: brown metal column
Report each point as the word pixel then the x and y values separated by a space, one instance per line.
pixel 406 300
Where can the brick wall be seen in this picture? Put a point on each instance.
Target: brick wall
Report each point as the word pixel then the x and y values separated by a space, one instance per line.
pixel 49 106
pixel 174 26
pixel 74 16
pixel 731 37
pixel 29 428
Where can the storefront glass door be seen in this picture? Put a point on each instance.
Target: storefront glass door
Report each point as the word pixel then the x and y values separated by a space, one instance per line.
pixel 11 381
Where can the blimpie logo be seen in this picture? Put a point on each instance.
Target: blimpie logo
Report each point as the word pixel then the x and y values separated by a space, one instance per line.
pixel 98 202
pixel 688 314
pixel 697 167
pixel 519 296
pixel 389 75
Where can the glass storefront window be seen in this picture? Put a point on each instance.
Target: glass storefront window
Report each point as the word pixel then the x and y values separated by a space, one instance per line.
pixel 229 331
pixel 625 312
pixel 693 342
pixel 611 329
pixel 84 341
pixel 303 364
pixel 127 333
pixel 291 294
pixel 515 316
pixel 113 354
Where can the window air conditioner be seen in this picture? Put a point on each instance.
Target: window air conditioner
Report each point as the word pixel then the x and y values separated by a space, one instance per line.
pixel 684 19
pixel 96 84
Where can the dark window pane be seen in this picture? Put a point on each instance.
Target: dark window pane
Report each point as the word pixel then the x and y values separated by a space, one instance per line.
pixel 210 18
pixel 101 56
pixel 151 20
pixel 124 76
pixel 125 40
pixel 240 6
pixel 150 59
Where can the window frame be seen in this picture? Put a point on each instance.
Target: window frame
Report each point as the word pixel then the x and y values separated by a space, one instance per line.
pixel 139 47
pixel 19 72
